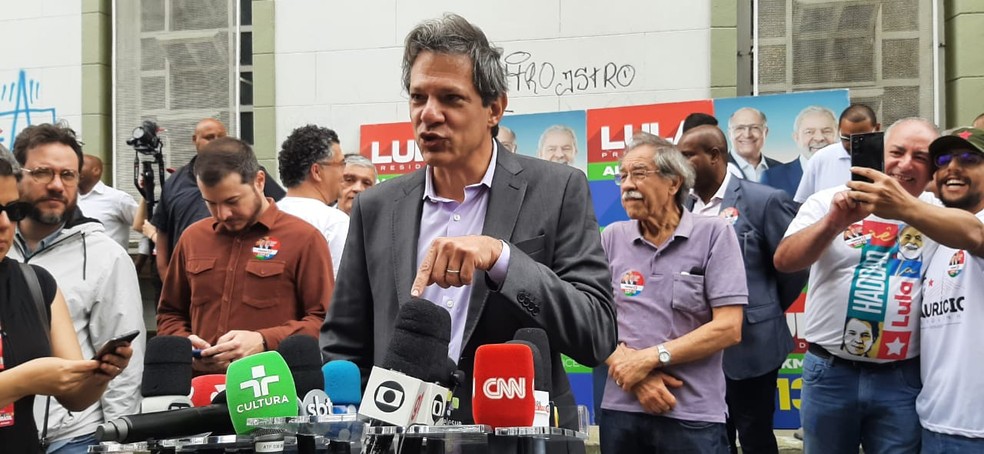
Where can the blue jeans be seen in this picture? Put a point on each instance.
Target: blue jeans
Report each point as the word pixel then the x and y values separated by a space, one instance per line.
pixel 843 406
pixel 77 445
pixel 937 443
pixel 623 432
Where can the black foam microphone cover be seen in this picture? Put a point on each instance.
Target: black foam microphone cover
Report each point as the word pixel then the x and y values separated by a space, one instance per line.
pixel 539 370
pixel 303 357
pixel 538 337
pixel 167 367
pixel 419 345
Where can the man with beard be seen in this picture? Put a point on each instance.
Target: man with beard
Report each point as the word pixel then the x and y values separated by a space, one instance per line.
pixel 251 275
pixel 949 403
pixel 558 143
pixel 94 273
pixel 815 128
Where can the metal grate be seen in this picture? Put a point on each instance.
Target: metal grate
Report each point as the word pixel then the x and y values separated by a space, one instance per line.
pixel 881 50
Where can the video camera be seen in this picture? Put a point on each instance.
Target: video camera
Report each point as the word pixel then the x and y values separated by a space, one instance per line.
pixel 146 142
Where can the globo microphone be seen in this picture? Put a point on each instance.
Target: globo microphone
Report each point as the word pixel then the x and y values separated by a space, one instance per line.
pixel 503 385
pixel 259 386
pixel 416 359
pixel 204 388
pixel 167 374
pixel 343 384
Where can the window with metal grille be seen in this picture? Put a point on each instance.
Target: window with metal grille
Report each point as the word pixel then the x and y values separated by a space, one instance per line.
pixel 885 52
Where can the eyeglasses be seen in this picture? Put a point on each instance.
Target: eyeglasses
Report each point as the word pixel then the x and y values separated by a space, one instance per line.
pixel 332 163
pixel 636 175
pixel 45 175
pixel 967 158
pixel 748 128
pixel 16 210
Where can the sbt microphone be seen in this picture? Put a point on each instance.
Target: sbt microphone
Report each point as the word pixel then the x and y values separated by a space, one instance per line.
pixel 543 381
pixel 259 386
pixel 166 375
pixel 343 385
pixel 503 385
pixel 204 388
pixel 413 365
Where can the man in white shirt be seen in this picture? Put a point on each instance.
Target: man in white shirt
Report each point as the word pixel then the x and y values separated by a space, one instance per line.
pixel 311 164
pixel 110 206
pixel 831 165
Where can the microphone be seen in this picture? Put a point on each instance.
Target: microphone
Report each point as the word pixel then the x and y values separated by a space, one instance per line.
pixel 204 389
pixel 503 385
pixel 259 386
pixel 167 374
pixel 167 424
pixel 417 356
pixel 343 384
pixel 543 383
pixel 541 399
pixel 303 357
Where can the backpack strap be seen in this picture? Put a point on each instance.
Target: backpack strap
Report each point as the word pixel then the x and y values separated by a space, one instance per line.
pixel 31 278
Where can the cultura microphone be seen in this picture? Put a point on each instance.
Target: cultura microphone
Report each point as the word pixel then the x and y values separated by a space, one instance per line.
pixel 166 375
pixel 503 385
pixel 259 386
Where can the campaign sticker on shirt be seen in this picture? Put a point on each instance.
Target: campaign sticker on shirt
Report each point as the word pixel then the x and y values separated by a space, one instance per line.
pixel 729 214
pixel 632 283
pixel 854 236
pixel 266 248
pixel 956 264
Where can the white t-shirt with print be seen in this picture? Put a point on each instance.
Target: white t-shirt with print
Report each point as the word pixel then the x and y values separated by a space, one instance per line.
pixel 863 298
pixel 952 397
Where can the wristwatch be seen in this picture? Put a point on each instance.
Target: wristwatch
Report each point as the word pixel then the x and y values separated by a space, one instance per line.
pixel 664 355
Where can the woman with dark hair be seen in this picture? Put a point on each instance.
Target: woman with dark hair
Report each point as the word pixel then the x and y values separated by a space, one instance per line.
pixel 33 361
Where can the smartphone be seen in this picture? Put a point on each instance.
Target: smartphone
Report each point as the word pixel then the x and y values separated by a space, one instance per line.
pixel 196 353
pixel 118 341
pixel 867 150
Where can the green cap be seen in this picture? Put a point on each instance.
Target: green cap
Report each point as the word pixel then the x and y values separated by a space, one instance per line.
pixel 970 139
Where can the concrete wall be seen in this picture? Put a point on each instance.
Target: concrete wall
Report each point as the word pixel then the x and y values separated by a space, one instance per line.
pixel 963 22
pixel 41 68
pixel 338 64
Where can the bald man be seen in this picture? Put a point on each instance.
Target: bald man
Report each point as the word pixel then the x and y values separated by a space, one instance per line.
pixel 759 215
pixel 181 202
pixel 111 207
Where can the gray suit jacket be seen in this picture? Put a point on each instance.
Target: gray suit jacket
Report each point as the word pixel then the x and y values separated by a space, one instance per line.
pixel 763 215
pixel 557 279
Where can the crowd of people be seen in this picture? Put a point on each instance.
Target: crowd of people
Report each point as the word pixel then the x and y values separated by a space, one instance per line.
pixel 684 302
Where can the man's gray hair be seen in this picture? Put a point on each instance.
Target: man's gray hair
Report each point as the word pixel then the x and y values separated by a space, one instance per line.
pixel 669 162
pixel 813 110
pixel 360 161
pixel 765 122
pixel 452 34
pixel 922 121
pixel 553 129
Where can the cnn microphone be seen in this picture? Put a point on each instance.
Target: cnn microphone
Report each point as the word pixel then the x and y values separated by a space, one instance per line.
pixel 543 383
pixel 343 384
pixel 502 393
pixel 259 386
pixel 204 389
pixel 167 374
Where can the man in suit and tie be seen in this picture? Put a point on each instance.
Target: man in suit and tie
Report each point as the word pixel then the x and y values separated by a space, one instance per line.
pixel 499 240
pixel 760 215
pixel 815 128
pixel 748 128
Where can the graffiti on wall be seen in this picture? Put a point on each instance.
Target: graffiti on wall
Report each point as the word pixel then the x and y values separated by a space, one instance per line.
pixel 19 108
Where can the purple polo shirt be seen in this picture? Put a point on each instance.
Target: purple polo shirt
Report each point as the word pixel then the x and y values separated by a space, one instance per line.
pixel 664 292
pixel 443 217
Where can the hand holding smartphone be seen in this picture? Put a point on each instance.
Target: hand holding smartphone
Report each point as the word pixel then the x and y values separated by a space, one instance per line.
pixel 867 150
pixel 118 341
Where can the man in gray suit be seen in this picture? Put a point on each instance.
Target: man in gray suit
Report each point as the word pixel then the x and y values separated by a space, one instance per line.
pixel 760 215
pixel 501 241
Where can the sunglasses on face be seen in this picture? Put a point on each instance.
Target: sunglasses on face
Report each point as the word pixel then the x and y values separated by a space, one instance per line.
pixel 967 158
pixel 16 210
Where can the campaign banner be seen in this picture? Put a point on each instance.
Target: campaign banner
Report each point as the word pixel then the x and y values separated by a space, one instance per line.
pixel 391 148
